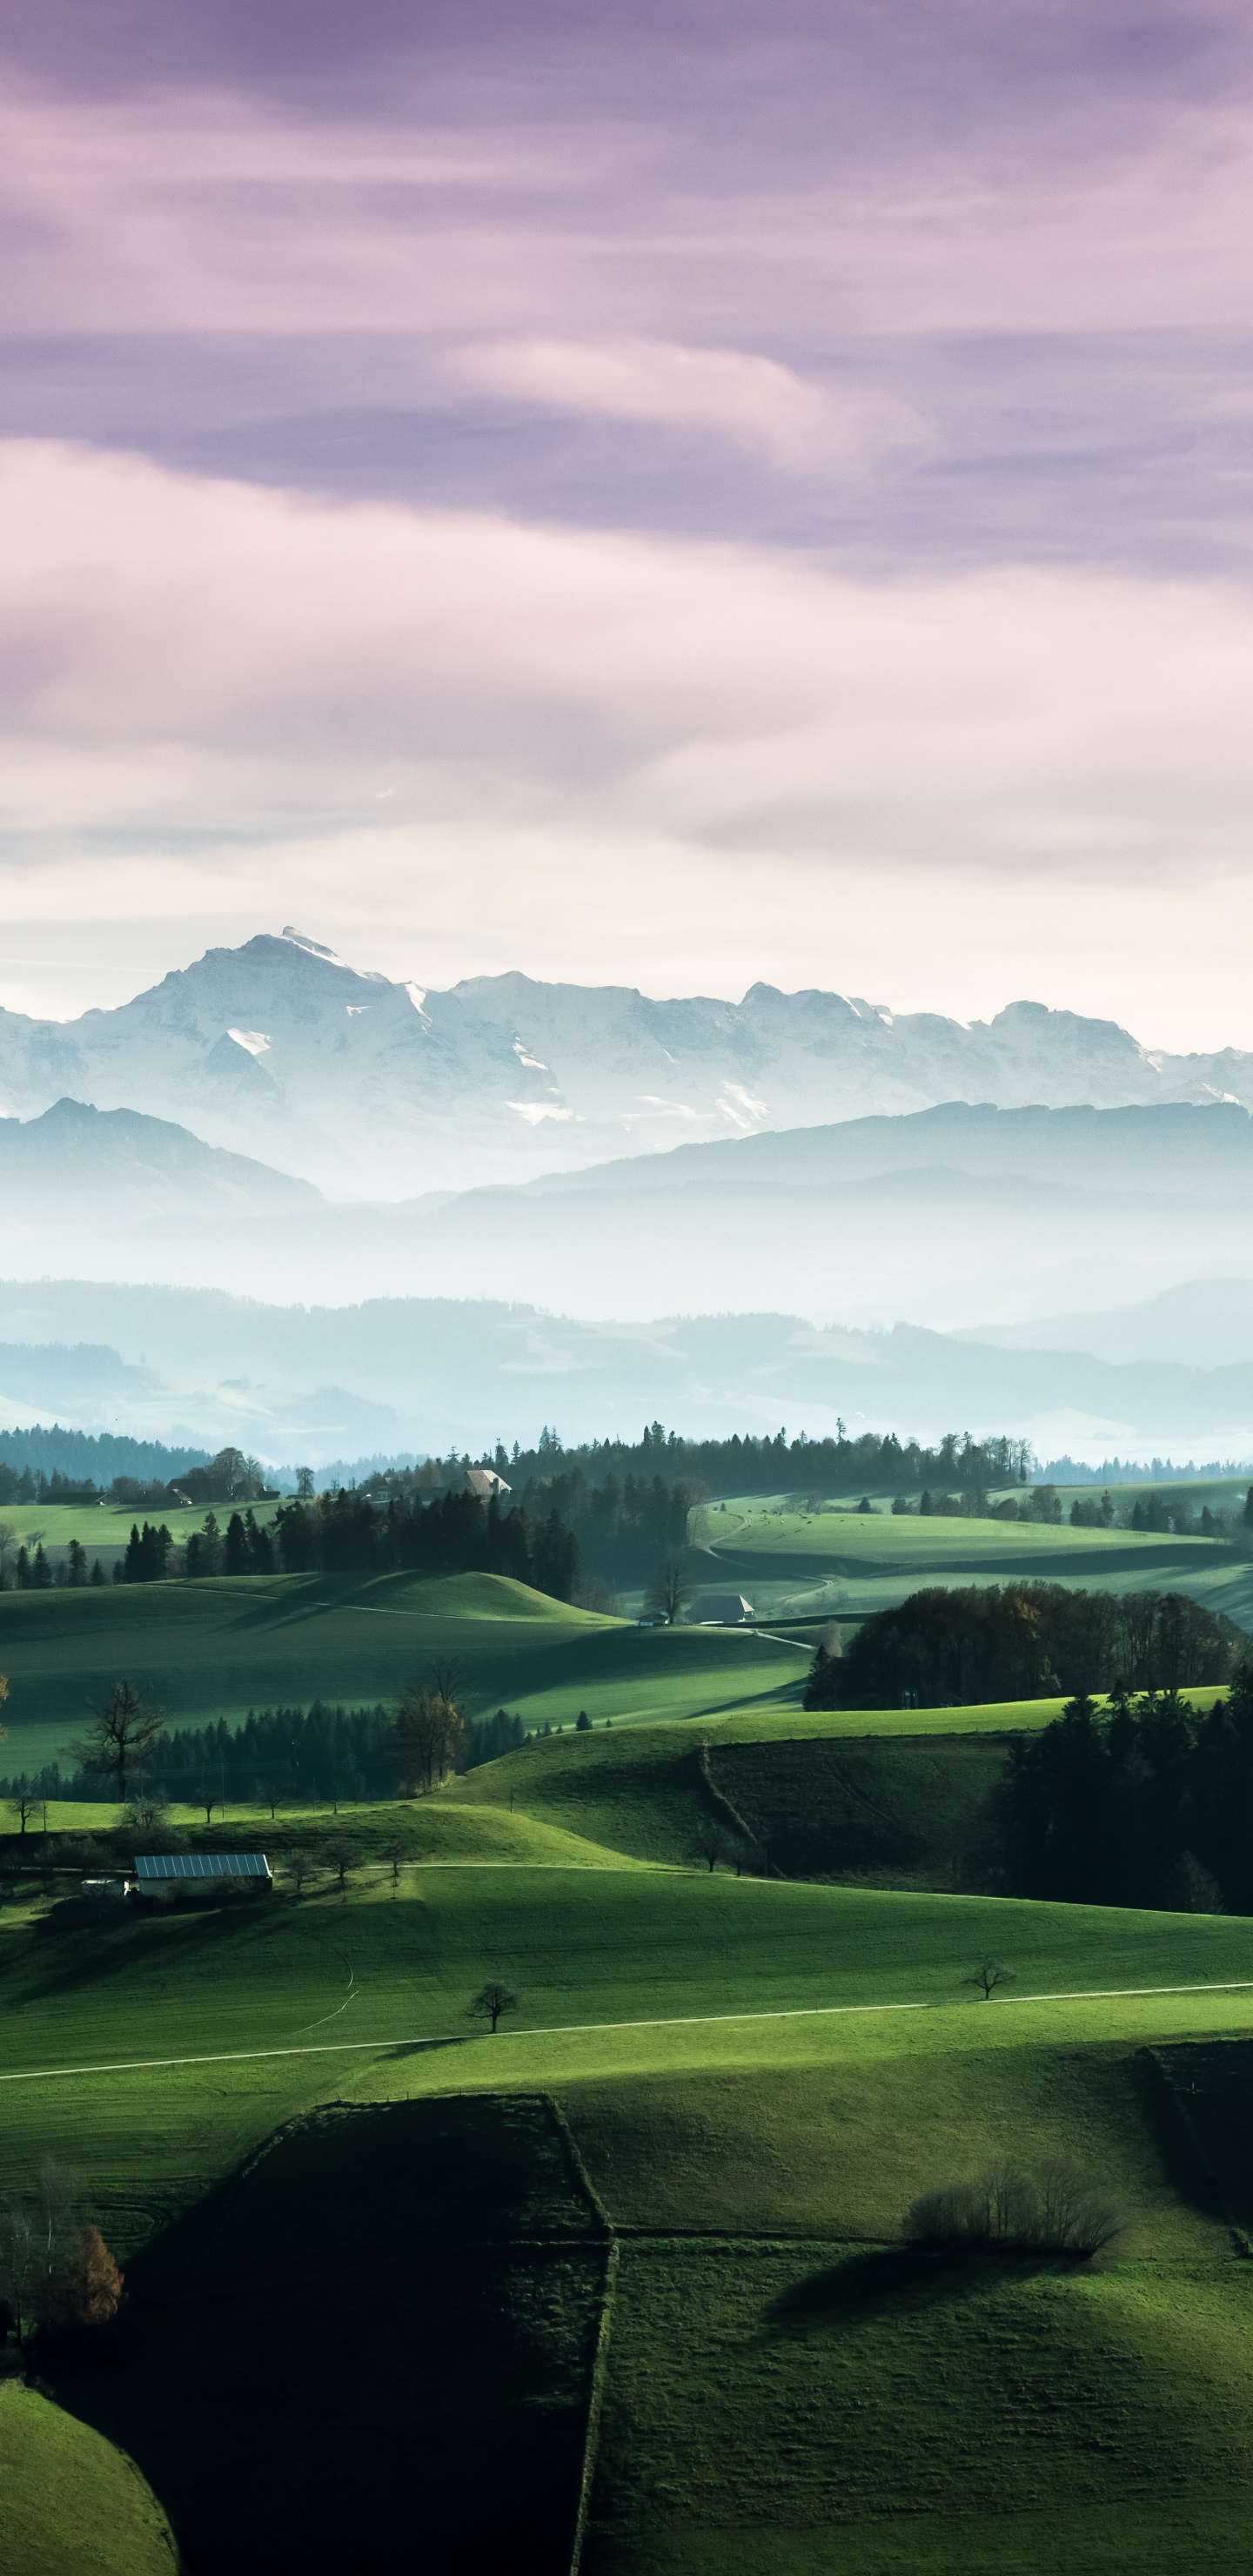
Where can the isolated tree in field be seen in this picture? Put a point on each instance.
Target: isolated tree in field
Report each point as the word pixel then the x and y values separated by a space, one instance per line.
pixel 123 1730
pixel 300 1869
pixel 709 1841
pixel 393 1851
pixel 208 1799
pixel 24 1802
pixel 988 1976
pixel 669 1590
pixel 340 1857
pixel 491 2001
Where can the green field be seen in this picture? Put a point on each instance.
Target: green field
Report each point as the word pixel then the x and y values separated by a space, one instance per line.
pixel 746 2089
pixel 209 1650
pixel 373 2251
pixel 847 1564
pixel 103 1528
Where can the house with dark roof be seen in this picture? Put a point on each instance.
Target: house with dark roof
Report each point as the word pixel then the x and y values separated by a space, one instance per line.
pixel 161 1870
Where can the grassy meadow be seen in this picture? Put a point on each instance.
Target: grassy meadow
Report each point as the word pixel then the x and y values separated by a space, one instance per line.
pixel 630 2271
pixel 847 1564
pixel 757 2078
pixel 209 1650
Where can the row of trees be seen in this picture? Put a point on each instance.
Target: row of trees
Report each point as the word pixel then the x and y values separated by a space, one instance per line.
pixel 950 1648
pixel 771 1464
pixel 277 1757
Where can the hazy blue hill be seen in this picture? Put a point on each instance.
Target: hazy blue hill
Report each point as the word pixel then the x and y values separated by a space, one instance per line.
pixel 397 1374
pixel 77 1163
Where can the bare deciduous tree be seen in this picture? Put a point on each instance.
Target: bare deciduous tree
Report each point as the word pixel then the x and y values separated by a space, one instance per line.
pixel 669 1590
pixel 710 1841
pixel 988 1976
pixel 24 1802
pixel 393 1851
pixel 491 2001
pixel 340 1857
pixel 300 1869
pixel 123 1731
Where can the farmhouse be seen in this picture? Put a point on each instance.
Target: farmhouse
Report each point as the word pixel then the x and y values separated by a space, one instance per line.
pixel 720 1610
pixel 203 1869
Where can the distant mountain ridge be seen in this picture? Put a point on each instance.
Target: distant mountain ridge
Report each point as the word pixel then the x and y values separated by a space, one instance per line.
pixel 373 1088
pixel 921 1219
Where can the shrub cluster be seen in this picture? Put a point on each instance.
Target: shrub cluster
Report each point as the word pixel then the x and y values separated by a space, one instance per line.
pixel 1053 2209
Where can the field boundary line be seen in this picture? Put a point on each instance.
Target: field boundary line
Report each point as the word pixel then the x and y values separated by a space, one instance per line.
pixel 585 2029
pixel 595 2405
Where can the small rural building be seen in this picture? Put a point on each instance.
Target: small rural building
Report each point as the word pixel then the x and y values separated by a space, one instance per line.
pixel 159 1870
pixel 433 1481
pixel 102 1890
pixel 720 1610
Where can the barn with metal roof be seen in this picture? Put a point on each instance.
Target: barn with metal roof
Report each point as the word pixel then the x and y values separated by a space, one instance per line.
pixel 165 1869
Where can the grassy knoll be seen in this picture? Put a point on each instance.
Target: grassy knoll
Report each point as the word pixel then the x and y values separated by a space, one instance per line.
pixel 777 2409
pixel 70 2503
pixel 856 1563
pixel 216 1649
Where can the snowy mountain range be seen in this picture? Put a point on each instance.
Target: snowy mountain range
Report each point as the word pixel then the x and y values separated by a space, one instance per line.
pixel 374 1089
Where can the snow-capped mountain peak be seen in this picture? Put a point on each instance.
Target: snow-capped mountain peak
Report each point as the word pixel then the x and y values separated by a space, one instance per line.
pixel 386 1089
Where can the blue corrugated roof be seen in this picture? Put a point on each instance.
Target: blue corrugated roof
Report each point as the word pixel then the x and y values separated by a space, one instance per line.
pixel 201 1865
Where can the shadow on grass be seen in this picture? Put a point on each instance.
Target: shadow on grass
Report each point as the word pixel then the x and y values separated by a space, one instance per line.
pixel 895 2280
pixel 368 2348
pixel 421 2047
pixel 71 1952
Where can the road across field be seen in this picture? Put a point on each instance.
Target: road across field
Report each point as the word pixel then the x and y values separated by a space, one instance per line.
pixel 584 2029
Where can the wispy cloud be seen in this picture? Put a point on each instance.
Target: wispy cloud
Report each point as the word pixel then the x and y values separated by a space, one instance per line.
pixel 199 675
pixel 750 401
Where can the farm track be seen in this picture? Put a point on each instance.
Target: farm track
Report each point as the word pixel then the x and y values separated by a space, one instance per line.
pixel 586 2029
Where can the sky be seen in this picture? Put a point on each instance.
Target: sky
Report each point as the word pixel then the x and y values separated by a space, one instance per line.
pixel 685 496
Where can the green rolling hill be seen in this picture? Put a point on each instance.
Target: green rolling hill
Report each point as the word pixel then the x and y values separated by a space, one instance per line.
pixel 216 1649
pixel 815 1564
pixel 665 2201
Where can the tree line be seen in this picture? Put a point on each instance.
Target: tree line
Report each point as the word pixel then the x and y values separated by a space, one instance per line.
pixel 315 1756
pixel 946 1648
pixel 1144 1803
pixel 771 1463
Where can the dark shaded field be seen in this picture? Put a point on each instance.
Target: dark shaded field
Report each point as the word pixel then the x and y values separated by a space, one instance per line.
pixel 369 2348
